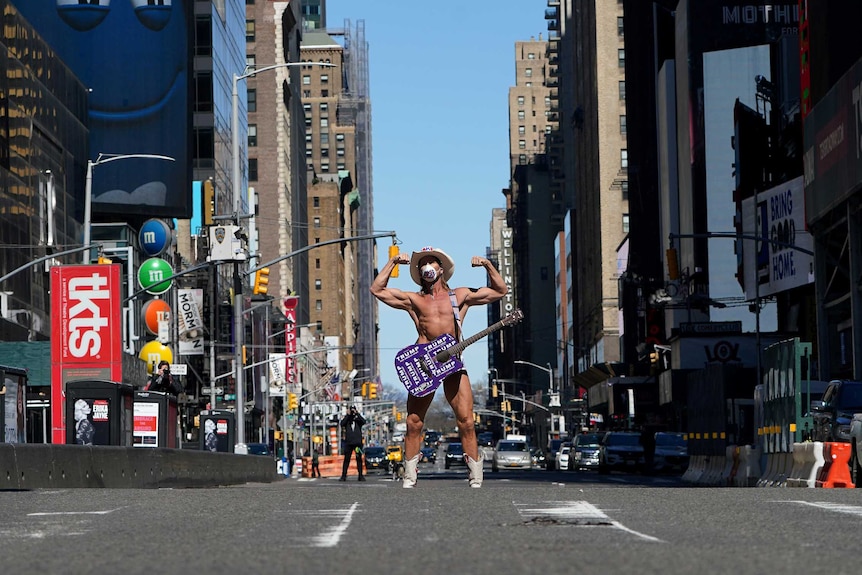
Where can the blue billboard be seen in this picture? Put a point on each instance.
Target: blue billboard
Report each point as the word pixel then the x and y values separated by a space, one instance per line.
pixel 135 58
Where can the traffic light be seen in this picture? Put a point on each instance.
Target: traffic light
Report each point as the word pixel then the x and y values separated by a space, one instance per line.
pixel 372 391
pixel 292 401
pixel 394 411
pixel 672 264
pixel 279 436
pixel 261 281
pixel 244 355
pixel 104 260
pixel 494 391
pixel 653 360
pixel 393 251
pixel 364 392
pixel 208 201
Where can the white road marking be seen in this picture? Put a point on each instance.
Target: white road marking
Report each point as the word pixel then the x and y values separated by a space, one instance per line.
pixel 837 507
pixel 576 510
pixel 50 513
pixel 331 537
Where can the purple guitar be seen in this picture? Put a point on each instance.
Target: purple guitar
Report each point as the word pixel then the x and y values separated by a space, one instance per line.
pixel 423 367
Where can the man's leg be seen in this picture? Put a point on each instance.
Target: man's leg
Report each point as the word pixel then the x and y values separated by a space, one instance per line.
pixel 417 407
pixel 359 461
pixel 460 396
pixel 345 465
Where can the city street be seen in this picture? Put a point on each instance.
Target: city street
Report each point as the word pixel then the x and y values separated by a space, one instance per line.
pixel 519 522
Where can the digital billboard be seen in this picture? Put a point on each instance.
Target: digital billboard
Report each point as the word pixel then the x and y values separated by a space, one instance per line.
pixel 134 56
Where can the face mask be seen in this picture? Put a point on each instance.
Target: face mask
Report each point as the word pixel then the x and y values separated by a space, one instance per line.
pixel 429 274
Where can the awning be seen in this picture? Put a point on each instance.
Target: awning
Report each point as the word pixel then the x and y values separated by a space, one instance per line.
pixel 597 373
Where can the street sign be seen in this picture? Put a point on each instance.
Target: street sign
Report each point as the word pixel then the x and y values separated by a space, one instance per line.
pixel 209 390
pixel 179 369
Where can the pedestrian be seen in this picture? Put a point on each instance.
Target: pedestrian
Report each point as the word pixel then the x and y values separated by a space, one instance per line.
pixel 315 463
pixel 436 310
pixel 351 427
pixel 162 380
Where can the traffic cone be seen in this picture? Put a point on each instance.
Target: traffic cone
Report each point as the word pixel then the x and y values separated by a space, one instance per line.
pixel 836 469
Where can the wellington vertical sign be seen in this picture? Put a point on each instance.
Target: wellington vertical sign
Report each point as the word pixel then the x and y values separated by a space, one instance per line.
pixel 86 327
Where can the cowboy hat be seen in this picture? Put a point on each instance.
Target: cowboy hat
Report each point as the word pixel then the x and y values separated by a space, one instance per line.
pixel 445 262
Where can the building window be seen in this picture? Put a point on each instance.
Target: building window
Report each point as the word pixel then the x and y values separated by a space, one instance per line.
pixel 306 93
pixel 309 152
pixel 324 168
pixel 339 151
pixel 252 169
pixel 317 263
pixel 531 56
pixel 203 36
pixel 316 201
pixel 522 144
pixel 624 159
pixel 339 137
pixel 324 78
pixel 620 27
pixel 318 304
pixel 308 137
pixel 621 57
pixel 623 124
pixel 203 92
pixel 547 101
pixel 249 30
pixel 252 135
pixel 622 89
pixel 307 121
pixel 522 130
pixel 624 186
pixel 324 122
pixel 625 223
pixel 341 166
pixel 324 108
pixel 317 223
pixel 521 114
pixel 251 96
pixel 528 72
pixel 251 61
pixel 306 80
pixel 324 93
pixel 324 139
pixel 324 152
pixel 522 159
pixel 306 108
pixel 318 285
pixel 520 100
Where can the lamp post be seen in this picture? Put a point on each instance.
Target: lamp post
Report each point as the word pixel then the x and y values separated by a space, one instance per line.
pixel 237 205
pixel 88 186
pixel 551 392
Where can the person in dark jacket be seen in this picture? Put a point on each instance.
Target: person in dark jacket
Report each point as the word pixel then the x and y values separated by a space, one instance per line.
pixel 162 380
pixel 351 427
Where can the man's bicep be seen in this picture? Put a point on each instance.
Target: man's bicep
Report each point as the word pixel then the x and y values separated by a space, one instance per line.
pixel 481 296
pixel 395 298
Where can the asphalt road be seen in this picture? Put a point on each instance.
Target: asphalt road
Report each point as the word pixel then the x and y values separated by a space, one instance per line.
pixel 519 522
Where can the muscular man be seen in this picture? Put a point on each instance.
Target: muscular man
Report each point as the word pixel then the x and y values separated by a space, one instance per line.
pixel 432 312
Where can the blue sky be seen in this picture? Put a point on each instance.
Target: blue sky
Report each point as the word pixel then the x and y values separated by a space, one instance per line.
pixel 439 79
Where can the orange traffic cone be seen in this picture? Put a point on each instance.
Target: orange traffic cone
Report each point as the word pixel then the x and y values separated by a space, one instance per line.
pixel 836 469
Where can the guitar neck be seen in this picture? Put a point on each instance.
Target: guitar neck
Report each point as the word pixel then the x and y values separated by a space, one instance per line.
pixel 461 346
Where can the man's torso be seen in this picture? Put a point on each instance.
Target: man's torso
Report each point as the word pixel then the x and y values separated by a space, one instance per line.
pixel 434 314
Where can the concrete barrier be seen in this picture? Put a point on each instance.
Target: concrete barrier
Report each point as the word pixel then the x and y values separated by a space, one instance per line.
pixel 748 471
pixel 24 466
pixel 807 462
pixel 731 464
pixel 696 467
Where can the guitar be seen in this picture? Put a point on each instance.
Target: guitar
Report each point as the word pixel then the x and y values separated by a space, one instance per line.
pixel 422 367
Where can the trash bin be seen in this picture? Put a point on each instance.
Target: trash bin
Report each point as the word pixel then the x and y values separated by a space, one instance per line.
pixel 218 430
pixel 99 412
pixel 156 423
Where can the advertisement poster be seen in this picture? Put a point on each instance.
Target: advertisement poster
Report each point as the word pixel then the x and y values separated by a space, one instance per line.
pixel 91 422
pixel 86 324
pixel 190 303
pixel 15 431
pixel 277 380
pixel 216 435
pixel 146 424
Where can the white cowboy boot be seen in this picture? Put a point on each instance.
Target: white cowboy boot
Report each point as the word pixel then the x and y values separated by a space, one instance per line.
pixel 411 470
pixel 477 472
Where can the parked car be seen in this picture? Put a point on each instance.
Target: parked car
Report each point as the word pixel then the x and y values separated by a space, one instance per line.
pixel 252 449
pixel 428 454
pixel 585 451
pixel 671 452
pixel 375 458
pixel 833 413
pixel 454 455
pixel 621 450
pixel 562 458
pixel 511 454
pixel 551 455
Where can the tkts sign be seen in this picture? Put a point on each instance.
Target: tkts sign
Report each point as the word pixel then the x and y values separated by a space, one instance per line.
pixel 86 331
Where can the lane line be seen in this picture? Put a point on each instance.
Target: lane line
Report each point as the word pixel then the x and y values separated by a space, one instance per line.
pixel 836 507
pixel 52 513
pixel 577 510
pixel 331 537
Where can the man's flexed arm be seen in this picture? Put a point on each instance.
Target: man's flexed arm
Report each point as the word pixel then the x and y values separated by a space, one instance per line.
pixel 391 296
pixel 493 292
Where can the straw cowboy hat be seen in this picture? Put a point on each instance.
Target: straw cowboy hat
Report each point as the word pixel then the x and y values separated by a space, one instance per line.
pixel 445 262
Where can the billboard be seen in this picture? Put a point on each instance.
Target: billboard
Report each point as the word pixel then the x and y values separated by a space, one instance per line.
pixel 780 216
pixel 135 57
pixel 86 327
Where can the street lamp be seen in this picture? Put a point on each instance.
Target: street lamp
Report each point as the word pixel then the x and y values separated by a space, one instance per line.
pixel 88 187
pixel 237 204
pixel 553 399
